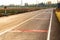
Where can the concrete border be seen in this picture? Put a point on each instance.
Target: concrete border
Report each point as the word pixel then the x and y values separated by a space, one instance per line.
pixel 49 30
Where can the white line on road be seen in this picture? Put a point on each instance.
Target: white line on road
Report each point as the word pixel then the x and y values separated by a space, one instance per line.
pixel 7 30
pixel 49 30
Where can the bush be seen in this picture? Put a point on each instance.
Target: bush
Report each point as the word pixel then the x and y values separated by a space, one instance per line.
pixel 11 11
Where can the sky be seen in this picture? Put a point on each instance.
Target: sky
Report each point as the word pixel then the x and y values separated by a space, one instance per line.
pixel 18 2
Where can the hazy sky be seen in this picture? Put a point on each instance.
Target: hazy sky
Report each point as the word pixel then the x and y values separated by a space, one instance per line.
pixel 18 2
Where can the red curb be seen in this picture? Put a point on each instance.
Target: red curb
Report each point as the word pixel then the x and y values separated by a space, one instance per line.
pixel 29 31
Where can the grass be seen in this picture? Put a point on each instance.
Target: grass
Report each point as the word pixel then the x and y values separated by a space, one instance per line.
pixel 58 15
pixel 12 11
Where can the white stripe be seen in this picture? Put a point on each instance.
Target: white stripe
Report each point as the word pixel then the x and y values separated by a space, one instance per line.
pixel 49 30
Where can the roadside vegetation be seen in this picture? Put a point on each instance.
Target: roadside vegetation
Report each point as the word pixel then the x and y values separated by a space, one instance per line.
pixel 13 11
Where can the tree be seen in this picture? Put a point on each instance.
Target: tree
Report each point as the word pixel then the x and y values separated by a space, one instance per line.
pixel 26 4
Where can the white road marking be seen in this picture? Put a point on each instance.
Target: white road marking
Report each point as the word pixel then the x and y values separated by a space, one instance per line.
pixel 49 30
pixel 7 30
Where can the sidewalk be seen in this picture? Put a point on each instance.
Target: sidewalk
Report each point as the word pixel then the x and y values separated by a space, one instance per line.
pixel 55 29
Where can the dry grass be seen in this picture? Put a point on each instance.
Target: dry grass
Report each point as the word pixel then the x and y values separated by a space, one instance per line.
pixel 58 15
pixel 12 11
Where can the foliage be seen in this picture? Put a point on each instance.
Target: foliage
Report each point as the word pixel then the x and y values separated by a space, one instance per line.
pixel 12 11
pixel 16 9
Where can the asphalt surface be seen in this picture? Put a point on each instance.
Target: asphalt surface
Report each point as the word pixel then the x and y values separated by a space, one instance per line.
pixel 32 26
pixel 9 22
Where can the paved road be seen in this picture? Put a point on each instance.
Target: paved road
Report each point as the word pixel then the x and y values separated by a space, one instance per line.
pixel 32 26
pixel 11 21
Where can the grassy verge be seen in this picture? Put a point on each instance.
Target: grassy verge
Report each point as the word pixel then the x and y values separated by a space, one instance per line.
pixel 58 15
pixel 12 11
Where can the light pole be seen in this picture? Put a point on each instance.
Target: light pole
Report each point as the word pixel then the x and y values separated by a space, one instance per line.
pixel 36 3
pixel 21 2
pixel 5 12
